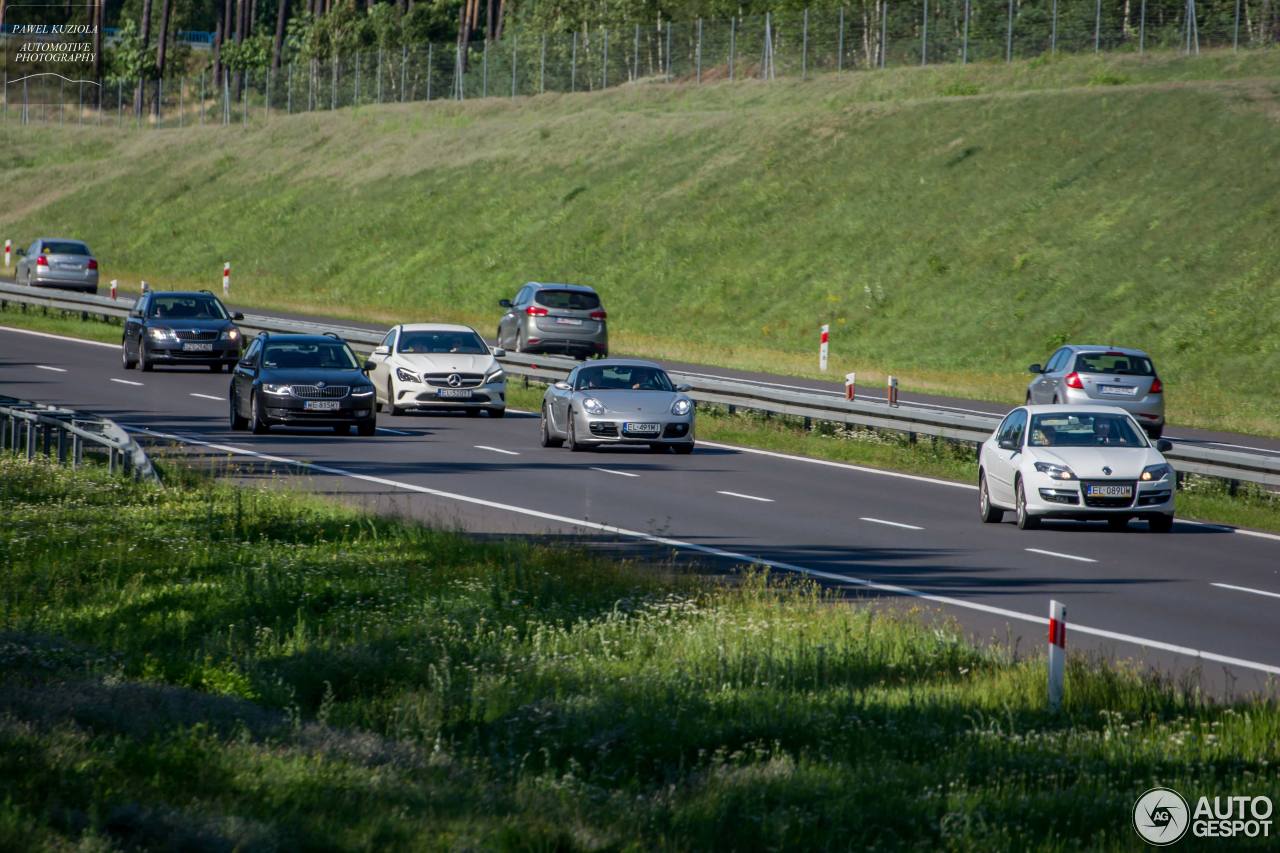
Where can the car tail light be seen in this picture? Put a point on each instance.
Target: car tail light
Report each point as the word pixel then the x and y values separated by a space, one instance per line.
pixel 93 265
pixel 599 315
pixel 535 311
pixel 1073 380
pixel 1156 386
pixel 42 261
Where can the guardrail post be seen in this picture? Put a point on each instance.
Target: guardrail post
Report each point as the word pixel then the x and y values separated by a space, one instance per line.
pixel 46 436
pixel 77 451
pixel 111 460
pixel 126 461
pixel 31 441
pixel 62 447
pixel 1057 651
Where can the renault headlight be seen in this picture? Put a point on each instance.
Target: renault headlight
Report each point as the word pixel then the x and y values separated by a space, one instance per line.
pixel 406 375
pixel 592 406
pixel 1057 472
pixel 275 390
pixel 1153 473
pixel 231 334
pixel 495 375
pixel 159 334
pixel 682 406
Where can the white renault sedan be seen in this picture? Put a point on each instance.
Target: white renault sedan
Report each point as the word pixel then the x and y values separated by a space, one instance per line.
pixel 423 366
pixel 1081 462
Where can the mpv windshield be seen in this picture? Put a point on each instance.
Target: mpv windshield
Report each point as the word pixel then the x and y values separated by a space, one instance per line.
pixel 1084 430
pixel 318 356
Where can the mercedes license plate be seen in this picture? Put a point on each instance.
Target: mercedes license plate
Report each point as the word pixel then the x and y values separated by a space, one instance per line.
pixel 457 393
pixel 321 405
pixel 197 347
pixel 1110 491
pixel 1118 390
pixel 568 321
pixel 642 429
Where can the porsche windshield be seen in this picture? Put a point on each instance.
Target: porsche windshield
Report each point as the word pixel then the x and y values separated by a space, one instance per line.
pixel 623 377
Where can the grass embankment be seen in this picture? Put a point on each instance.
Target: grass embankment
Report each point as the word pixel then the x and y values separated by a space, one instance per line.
pixel 951 223
pixel 210 667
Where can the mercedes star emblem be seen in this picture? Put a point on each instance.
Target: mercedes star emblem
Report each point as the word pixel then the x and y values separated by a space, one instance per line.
pixel 454 380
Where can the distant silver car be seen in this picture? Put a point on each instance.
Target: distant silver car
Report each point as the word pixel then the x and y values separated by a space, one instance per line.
pixel 1112 376
pixel 555 318
pixel 58 262
pixel 618 401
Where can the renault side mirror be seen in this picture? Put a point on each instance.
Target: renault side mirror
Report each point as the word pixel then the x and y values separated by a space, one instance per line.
pixel 505 303
pixel 1008 444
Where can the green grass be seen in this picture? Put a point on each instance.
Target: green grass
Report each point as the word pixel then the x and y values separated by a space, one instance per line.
pixel 952 224
pixel 212 667
pixel 60 323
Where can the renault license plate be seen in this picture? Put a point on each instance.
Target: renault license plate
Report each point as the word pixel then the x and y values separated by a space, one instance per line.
pixel 568 321
pixel 1110 491
pixel 455 393
pixel 641 429
pixel 321 405
pixel 197 347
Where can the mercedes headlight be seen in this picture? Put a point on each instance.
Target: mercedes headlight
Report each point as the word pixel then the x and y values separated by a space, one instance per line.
pixel 682 406
pixel 495 375
pixel 158 334
pixel 231 334
pixel 1156 472
pixel 1057 472
pixel 275 390
pixel 366 391
pixel 406 375
pixel 592 406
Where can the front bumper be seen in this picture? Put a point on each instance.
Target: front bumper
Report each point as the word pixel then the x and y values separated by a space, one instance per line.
pixel 1149 411
pixel 1049 498
pixel 172 352
pixel 420 396
pixel 609 429
pixel 289 410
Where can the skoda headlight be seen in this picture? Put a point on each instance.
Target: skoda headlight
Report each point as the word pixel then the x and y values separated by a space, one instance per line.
pixel 159 334
pixel 231 334
pixel 364 391
pixel 1057 472
pixel 275 390
pixel 681 406
pixel 1155 472
pixel 406 375
pixel 495 375
pixel 592 406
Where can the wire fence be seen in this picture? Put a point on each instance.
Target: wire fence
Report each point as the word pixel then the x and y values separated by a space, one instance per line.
pixel 878 34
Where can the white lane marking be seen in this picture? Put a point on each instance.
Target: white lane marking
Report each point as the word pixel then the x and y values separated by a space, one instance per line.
pixel 393 431
pixel 57 337
pixel 727 555
pixel 1225 528
pixel 611 471
pixel 1224 444
pixel 1246 589
pixel 495 449
pixel 209 397
pixel 1063 556
pixel 892 523
pixel 845 465
pixel 54 369
pixel 746 497
pixel 126 381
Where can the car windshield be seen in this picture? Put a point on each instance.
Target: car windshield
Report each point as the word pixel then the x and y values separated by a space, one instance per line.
pixel 463 343
pixel 63 247
pixel 309 355
pixel 1086 429
pixel 1114 362
pixel 186 308
pixel 572 300
pixel 623 377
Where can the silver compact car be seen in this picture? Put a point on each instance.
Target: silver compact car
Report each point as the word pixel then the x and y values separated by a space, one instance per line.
pixel 618 401
pixel 555 318
pixel 1108 376
pixel 58 262
pixel 1081 462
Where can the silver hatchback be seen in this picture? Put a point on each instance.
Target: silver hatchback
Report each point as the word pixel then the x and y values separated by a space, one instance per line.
pixel 555 318
pixel 58 262
pixel 1113 376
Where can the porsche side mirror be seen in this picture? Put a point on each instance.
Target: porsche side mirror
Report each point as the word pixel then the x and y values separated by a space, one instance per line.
pixel 684 389
pixel 562 386
pixel 499 352
pixel 1164 445
pixel 1035 368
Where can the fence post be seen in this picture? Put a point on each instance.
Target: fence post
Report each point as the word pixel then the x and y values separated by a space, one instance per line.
pixel 964 45
pixel 182 102
pixel 668 51
pixel 604 74
pixel 542 67
pixel 1057 652
pixel 1097 25
pixel 733 43
pixel 840 45
pixel 333 86
pixel 288 98
pixel 1235 39
pixel 924 35
pixel 514 42
pixel 379 75
pixel 484 71
pixel 635 56
pixel 1053 31
pixel 429 52
pixel 698 51
pixel 804 48
pixel 573 64
pixel 884 31
pixel 244 99
pixel 1008 45
pixel 355 98
pixel 1142 30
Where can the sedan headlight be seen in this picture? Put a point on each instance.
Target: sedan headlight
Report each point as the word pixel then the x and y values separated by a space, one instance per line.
pixel 366 391
pixel 1155 472
pixel 681 406
pixel 406 375
pixel 158 334
pixel 1057 472
pixel 230 334
pixel 592 406
pixel 495 375
pixel 275 390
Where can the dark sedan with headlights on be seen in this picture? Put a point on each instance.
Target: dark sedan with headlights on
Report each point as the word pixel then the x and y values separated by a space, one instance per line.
pixel 171 327
pixel 302 381
pixel 618 401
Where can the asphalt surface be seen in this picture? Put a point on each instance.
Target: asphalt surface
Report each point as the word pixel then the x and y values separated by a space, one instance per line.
pixel 1202 599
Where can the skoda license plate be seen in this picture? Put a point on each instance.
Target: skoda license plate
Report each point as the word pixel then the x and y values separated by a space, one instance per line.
pixel 197 347
pixel 457 393
pixel 1110 491
pixel 321 405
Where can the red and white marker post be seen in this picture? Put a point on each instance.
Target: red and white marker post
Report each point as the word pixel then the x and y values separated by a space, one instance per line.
pixel 892 388
pixel 226 278
pixel 145 287
pixel 1057 651
pixel 822 347
pixel 113 288
pixel 8 247
pixel 850 385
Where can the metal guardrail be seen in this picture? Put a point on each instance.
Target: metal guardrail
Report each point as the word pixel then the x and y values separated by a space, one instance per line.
pixel 741 394
pixel 35 430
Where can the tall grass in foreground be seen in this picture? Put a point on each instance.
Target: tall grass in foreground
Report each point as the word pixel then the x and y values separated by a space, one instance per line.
pixel 217 667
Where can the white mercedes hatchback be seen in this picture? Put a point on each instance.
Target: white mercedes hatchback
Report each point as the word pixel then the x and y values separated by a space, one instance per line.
pixel 1075 462
pixel 424 366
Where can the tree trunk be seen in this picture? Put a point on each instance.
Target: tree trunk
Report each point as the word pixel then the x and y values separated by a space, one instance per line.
pixel 97 46
pixel 489 29
pixel 146 44
pixel 161 47
pixel 241 8
pixel 502 6
pixel 282 13
pixel 253 18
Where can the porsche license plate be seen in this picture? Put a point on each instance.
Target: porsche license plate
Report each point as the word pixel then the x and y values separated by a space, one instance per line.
pixel 321 405
pixel 455 393
pixel 641 429
pixel 197 347
pixel 1110 491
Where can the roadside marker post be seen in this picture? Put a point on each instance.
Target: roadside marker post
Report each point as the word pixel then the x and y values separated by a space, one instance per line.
pixel 113 289
pixel 822 347
pixel 145 287
pixel 226 278
pixel 893 390
pixel 8 247
pixel 850 381
pixel 1057 651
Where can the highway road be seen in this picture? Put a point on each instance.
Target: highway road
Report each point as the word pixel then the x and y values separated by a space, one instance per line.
pixel 1202 596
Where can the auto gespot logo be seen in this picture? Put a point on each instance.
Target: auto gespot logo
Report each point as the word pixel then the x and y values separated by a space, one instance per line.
pixel 1162 816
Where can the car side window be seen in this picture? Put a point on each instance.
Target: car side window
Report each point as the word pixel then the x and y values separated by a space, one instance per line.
pixel 1017 427
pixel 251 357
pixel 1003 429
pixel 389 341
pixel 1055 361
pixel 522 297
pixel 572 378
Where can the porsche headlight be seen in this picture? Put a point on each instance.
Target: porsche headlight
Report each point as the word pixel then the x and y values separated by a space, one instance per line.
pixel 1155 472
pixel 592 406
pixel 1057 472
pixel 159 334
pixel 682 406
pixel 275 390
pixel 495 375
pixel 406 375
